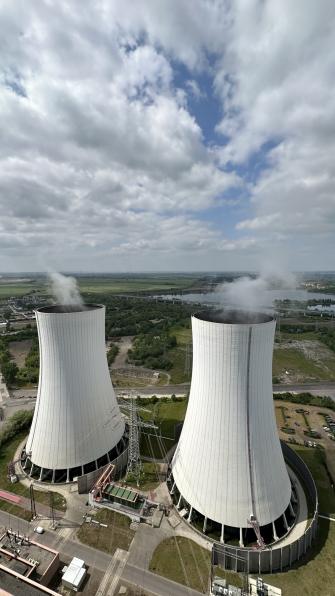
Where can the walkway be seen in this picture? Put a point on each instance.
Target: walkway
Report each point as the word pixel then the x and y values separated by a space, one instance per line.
pixel 302 518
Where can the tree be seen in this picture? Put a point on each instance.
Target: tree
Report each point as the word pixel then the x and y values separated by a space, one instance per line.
pixel 9 371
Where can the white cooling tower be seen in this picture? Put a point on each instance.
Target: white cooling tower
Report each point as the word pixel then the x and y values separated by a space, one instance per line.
pixel 229 465
pixel 77 425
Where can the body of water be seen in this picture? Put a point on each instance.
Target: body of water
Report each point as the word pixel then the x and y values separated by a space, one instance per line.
pixel 265 299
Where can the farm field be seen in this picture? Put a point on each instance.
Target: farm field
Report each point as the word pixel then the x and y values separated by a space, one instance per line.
pixel 140 283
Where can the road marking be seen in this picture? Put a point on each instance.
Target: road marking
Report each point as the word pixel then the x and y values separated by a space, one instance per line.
pixel 107 585
pixel 122 556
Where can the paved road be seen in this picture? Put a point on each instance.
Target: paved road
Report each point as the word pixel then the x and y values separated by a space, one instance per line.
pixel 99 560
pixel 321 388
pixel 154 583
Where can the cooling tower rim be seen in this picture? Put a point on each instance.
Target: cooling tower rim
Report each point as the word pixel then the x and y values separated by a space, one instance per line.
pixel 67 309
pixel 233 317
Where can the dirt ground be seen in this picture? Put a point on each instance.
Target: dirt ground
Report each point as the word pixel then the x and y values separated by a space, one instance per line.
pixel 297 421
pixel 124 344
pixel 19 350
pixel 299 360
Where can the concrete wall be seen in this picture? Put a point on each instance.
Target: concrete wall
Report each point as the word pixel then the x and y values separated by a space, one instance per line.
pixel 86 481
pixel 276 559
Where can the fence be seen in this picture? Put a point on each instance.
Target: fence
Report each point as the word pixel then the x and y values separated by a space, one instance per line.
pixel 277 558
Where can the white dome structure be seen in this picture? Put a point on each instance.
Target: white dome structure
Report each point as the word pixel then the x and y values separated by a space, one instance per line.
pixel 77 425
pixel 229 466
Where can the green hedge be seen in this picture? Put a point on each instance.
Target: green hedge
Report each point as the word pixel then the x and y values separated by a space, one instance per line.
pixel 306 399
pixel 17 423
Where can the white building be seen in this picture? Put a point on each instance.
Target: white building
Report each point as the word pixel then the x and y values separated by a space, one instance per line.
pixel 228 465
pixel 77 425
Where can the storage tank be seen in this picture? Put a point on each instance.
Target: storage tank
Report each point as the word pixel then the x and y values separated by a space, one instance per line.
pixel 228 465
pixel 77 425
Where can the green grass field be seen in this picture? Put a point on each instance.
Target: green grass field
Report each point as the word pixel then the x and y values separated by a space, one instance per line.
pixel 116 535
pixel 19 289
pixel 294 361
pixel 7 452
pixel 141 283
pixel 315 574
pixel 98 285
pixel 182 561
pixel 149 477
pixel 166 415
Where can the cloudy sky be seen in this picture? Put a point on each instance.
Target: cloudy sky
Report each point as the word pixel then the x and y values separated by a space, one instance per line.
pixel 167 135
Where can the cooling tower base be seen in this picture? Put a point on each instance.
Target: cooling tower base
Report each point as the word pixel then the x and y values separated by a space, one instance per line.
pixel 243 536
pixel 63 476
pixel 286 540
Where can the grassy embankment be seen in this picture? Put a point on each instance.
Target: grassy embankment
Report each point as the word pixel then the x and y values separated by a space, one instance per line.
pixel 117 535
pixel 7 452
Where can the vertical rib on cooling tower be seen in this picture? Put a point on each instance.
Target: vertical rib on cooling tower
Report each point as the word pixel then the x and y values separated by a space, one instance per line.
pixel 229 464
pixel 77 420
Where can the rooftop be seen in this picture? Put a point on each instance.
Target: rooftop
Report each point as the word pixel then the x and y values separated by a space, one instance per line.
pixel 24 553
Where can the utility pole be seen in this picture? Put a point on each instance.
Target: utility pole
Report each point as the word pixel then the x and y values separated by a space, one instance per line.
pixel 32 502
pixel 52 508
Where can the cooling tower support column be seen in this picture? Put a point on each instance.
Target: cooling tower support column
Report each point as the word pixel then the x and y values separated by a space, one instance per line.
pixel 228 465
pixel 222 533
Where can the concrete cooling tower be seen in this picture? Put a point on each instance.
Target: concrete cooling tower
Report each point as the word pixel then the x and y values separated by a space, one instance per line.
pixel 228 470
pixel 77 425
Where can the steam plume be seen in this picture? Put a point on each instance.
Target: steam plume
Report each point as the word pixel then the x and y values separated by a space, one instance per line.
pixel 65 289
pixel 249 294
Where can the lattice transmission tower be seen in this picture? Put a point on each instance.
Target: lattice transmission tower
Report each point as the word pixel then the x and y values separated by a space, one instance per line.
pixel 134 465
pixel 136 426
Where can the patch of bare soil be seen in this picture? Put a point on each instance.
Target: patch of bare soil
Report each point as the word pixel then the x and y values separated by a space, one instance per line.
pixel 19 350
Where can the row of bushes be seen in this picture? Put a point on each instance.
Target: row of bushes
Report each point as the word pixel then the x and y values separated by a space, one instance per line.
pixel 307 399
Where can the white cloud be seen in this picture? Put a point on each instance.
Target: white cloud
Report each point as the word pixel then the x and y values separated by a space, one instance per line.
pixel 100 154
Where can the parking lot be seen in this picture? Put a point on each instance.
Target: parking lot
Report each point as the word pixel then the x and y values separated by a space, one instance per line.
pixel 307 424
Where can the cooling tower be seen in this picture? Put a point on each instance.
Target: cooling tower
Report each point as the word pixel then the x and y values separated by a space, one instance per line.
pixel 229 465
pixel 77 425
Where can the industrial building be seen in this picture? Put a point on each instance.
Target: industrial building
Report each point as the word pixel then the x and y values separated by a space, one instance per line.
pixel 228 471
pixel 26 567
pixel 77 426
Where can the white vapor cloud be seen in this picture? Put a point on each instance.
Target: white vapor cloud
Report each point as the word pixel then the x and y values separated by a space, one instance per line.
pixel 65 289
